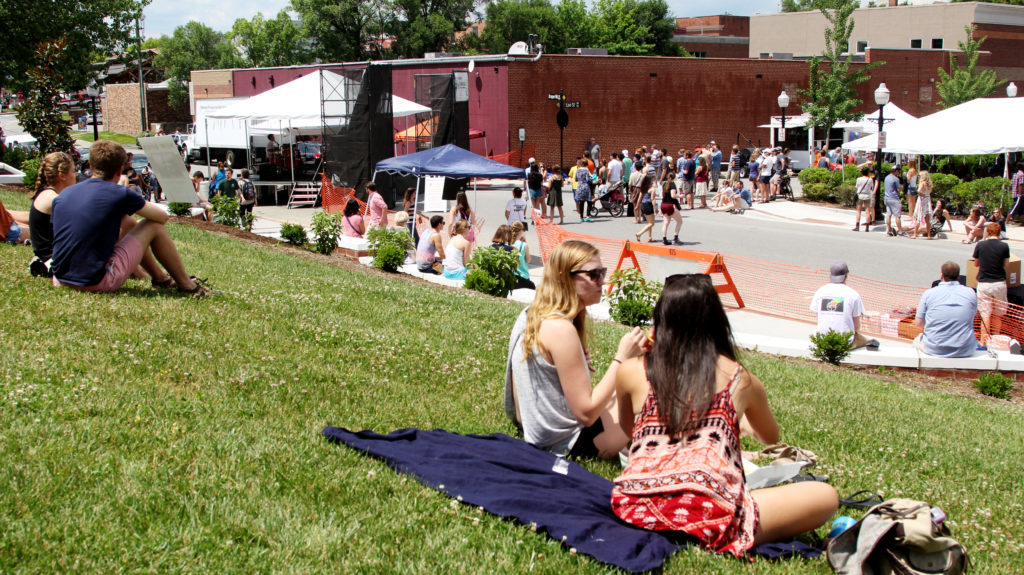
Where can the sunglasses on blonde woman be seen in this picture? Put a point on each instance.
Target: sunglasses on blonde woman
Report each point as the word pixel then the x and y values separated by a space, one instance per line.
pixel 596 274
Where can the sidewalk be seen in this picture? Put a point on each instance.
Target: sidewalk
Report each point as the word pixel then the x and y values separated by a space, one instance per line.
pixel 752 330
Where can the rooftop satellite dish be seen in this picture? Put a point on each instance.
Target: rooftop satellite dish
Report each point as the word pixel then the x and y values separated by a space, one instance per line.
pixel 472 66
pixel 519 49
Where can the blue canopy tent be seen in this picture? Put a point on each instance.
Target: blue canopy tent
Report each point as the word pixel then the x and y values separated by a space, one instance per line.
pixel 449 161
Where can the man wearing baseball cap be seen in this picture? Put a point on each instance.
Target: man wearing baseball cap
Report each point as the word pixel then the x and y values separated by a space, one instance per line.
pixel 839 307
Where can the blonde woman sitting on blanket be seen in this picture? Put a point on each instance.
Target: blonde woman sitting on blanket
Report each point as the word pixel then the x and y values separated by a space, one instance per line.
pixel 548 392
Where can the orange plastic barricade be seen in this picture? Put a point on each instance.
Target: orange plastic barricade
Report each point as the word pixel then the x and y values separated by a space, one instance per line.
pixel 715 264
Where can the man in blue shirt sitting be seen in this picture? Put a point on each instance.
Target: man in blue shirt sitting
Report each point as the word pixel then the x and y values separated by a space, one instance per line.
pixel 97 244
pixel 946 312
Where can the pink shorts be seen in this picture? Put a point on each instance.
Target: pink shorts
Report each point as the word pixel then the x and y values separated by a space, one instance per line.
pixel 126 257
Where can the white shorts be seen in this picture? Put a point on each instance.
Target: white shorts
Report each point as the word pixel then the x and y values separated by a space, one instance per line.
pixel 701 189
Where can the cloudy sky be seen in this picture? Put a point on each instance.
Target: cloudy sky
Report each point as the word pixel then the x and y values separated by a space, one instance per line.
pixel 163 16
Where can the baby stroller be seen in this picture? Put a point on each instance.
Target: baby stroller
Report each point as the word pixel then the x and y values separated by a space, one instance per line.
pixel 612 200
pixel 785 189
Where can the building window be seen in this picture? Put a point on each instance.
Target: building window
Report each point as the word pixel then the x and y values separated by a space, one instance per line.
pixel 936 43
pixel 862 45
pixel 699 54
pixel 915 43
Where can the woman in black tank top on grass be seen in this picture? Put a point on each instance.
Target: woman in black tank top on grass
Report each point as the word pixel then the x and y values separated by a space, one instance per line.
pixel 56 172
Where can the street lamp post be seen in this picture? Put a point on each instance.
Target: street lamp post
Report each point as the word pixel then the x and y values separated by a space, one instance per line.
pixel 783 103
pixel 93 90
pixel 881 98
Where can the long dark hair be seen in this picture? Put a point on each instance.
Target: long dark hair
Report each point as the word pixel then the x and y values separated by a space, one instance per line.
pixel 691 330
pixel 351 208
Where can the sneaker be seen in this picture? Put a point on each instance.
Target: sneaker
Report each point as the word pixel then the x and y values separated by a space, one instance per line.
pixel 39 269
pixel 666 242
pixel 677 242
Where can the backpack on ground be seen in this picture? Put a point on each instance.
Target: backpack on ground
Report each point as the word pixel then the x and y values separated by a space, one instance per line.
pixel 898 537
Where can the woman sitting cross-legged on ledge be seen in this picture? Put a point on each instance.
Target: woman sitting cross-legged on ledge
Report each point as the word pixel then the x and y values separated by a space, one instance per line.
pixel 684 403
pixel 456 252
pixel 547 376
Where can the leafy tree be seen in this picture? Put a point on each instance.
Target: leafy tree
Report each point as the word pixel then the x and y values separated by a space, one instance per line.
pixel 87 27
pixel 966 84
pixel 576 26
pixel 342 30
pixel 830 96
pixel 41 114
pixel 427 25
pixel 509 21
pixel 194 46
pixel 635 27
pixel 805 5
pixel 262 43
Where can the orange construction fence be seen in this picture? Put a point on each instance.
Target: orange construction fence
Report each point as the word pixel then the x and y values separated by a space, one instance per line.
pixel 517 157
pixel 623 254
pixel 786 290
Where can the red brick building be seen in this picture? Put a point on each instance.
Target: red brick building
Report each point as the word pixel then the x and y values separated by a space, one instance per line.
pixel 722 36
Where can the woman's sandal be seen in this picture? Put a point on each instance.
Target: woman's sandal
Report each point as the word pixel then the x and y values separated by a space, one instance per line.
pixel 197 292
pixel 866 500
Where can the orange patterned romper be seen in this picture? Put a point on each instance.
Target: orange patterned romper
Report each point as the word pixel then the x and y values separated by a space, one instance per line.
pixel 693 482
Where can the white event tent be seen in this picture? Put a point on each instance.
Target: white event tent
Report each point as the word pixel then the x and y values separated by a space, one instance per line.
pixel 981 126
pixel 299 107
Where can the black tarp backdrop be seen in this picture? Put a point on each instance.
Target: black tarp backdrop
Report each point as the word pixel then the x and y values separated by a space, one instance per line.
pixel 352 150
pixel 451 108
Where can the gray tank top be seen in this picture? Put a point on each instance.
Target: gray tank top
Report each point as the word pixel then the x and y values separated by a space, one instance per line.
pixel 547 421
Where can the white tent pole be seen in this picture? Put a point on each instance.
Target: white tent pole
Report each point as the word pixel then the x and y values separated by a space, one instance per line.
pixel 248 147
pixel 206 126
pixel 291 151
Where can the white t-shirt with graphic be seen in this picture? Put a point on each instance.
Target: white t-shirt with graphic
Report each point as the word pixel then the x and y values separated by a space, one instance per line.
pixel 836 305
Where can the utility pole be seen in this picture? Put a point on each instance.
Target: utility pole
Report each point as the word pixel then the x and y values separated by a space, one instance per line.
pixel 142 86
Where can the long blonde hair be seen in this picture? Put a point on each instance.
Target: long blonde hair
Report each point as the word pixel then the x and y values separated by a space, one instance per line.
pixel 53 165
pixel 556 296
pixel 924 180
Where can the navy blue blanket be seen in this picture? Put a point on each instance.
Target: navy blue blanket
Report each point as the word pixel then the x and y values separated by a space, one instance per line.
pixel 510 478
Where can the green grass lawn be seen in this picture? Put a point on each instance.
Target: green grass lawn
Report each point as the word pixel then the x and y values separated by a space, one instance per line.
pixel 149 432
pixel 122 139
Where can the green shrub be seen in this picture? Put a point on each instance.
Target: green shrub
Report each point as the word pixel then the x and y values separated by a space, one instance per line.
pixel 31 169
pixel 179 208
pixel 225 210
pixel 846 194
pixel 832 347
pixel 15 157
pixel 814 176
pixel 942 186
pixel 294 234
pixel 847 176
pixel 819 192
pixel 326 231
pixel 994 385
pixel 633 297
pixel 962 197
pixel 389 248
pixel 492 271
pixel 995 192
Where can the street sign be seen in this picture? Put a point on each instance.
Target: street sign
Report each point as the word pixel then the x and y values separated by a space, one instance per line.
pixel 554 97
pixel 782 135
pixel 881 140
pixel 575 104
